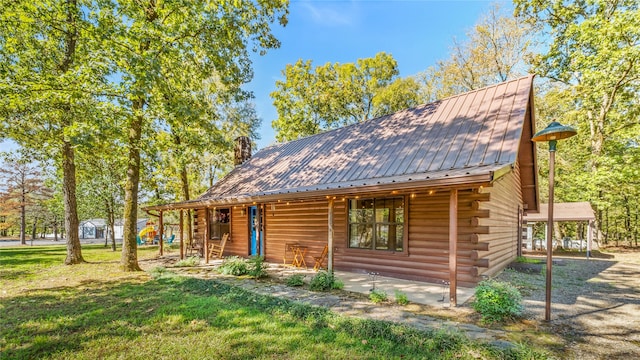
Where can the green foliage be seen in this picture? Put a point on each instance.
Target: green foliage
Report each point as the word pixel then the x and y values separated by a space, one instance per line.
pixel 401 298
pixel 324 281
pixel 160 272
pixel 256 268
pixel 337 284
pixel 378 296
pixel 494 52
pixel 314 99
pixel 497 301
pixel 591 59
pixel 526 260
pixel 234 265
pixel 237 266
pixel 188 262
pixel 295 280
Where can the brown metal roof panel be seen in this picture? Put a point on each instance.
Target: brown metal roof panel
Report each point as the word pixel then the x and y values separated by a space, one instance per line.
pixel 513 131
pixel 481 140
pixel 463 142
pixel 422 151
pixel 398 129
pixel 423 117
pixel 575 211
pixel 501 125
pixel 454 138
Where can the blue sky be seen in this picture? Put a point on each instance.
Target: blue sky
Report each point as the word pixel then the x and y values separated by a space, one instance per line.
pixel 416 32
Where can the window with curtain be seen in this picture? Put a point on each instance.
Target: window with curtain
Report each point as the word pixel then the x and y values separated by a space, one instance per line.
pixel 377 224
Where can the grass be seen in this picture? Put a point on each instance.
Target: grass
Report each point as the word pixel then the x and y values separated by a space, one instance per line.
pixel 94 310
pixel 527 260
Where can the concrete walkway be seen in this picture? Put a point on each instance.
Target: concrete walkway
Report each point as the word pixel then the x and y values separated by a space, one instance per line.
pixel 417 292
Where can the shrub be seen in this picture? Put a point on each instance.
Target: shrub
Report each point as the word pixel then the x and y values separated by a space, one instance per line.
pixel 337 284
pixel 190 261
pixel 234 265
pixel 401 298
pixel 526 260
pixel 497 301
pixel 256 268
pixel 160 272
pixel 295 280
pixel 324 281
pixel 378 296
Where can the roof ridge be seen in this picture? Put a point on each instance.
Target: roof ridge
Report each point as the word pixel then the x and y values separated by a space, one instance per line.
pixel 398 112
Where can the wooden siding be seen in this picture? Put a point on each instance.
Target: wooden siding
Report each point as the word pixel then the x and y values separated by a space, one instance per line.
pixel 198 222
pixel 427 258
pixel 238 243
pixel 487 232
pixel 506 197
pixel 304 223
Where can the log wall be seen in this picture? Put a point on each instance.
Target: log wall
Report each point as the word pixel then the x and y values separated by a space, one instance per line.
pixel 303 223
pixel 427 255
pixel 506 198
pixel 487 234
pixel 238 243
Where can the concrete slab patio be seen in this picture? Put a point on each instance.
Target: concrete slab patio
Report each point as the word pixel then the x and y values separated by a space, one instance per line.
pixel 418 292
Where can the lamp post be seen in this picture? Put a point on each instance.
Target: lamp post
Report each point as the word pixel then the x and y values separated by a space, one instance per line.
pixel 552 133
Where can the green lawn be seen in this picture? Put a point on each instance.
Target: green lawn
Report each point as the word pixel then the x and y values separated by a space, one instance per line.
pixel 94 310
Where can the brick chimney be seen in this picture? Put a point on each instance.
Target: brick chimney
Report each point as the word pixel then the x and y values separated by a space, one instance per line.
pixel 242 151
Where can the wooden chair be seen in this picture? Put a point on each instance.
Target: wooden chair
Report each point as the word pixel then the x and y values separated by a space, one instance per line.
pixel 216 250
pixel 320 259
pixel 196 245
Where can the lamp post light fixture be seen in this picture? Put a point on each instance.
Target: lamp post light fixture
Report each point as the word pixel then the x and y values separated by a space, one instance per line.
pixel 552 133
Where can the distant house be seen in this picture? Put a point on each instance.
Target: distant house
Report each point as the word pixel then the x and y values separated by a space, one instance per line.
pixel 432 193
pixel 92 229
pixel 97 228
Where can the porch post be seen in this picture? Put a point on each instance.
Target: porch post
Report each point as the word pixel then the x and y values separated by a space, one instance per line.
pixel 161 231
pixel 589 238
pixel 330 237
pixel 453 247
pixel 180 230
pixel 205 244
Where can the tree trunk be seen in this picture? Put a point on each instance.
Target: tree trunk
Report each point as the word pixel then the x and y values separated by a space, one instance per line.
pixel 111 219
pixel 74 251
pixel 184 179
pixel 23 213
pixel 34 228
pixel 627 221
pixel 129 259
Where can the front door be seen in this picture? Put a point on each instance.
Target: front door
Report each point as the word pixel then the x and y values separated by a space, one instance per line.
pixel 256 235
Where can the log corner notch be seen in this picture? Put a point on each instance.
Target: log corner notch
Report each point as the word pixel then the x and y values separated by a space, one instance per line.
pixel 453 247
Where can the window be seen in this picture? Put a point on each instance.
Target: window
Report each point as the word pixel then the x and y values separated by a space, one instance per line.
pixel 219 221
pixel 376 224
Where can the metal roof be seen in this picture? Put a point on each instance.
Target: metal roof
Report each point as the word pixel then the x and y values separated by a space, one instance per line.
pixel 575 211
pixel 471 133
pixel 462 139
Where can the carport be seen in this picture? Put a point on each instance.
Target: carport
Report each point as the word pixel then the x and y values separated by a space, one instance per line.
pixel 564 212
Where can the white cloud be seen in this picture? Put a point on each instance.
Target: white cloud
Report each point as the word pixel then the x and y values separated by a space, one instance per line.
pixel 328 15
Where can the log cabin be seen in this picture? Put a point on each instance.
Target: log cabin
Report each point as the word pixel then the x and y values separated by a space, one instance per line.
pixel 434 193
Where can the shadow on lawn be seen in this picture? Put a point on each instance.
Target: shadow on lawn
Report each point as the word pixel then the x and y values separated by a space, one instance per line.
pixel 41 255
pixel 62 319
